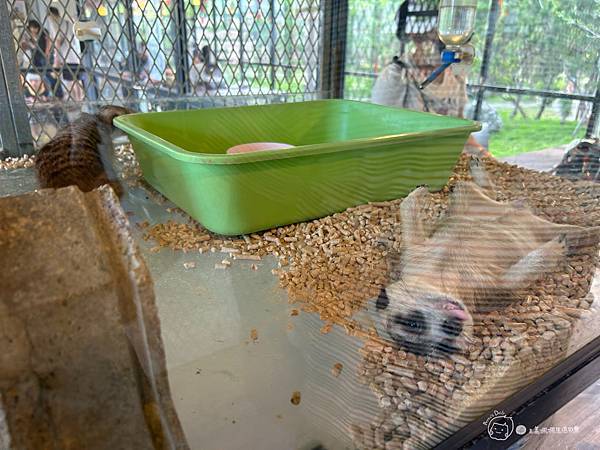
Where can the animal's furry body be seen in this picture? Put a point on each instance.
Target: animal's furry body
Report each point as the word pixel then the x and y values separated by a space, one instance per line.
pixel 473 260
pixel 81 153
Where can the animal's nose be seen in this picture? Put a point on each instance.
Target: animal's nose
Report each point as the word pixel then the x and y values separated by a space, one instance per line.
pixel 452 326
pixel 414 322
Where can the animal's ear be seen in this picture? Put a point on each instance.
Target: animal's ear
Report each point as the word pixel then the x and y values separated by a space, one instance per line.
pixel 535 264
pixel 382 300
pixel 414 230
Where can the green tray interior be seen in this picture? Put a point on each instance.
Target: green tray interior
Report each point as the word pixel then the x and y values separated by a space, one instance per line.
pixel 213 131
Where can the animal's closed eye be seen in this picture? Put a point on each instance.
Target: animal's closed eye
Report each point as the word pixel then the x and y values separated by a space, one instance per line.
pixel 414 322
pixel 382 300
pixel 452 327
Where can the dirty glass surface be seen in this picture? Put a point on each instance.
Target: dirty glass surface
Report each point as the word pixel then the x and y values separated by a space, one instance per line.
pixel 289 349
pixel 393 317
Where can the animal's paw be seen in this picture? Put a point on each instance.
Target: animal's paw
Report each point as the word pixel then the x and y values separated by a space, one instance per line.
pixel 416 195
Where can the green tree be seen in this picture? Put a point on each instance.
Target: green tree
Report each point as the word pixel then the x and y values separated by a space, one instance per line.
pixel 539 43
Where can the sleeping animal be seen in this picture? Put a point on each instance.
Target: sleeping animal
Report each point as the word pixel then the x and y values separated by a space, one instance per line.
pixel 474 260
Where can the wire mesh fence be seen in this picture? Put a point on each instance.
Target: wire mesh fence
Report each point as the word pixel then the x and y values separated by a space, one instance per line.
pixel 161 54
pixel 166 54
pixel 371 44
pixel 378 31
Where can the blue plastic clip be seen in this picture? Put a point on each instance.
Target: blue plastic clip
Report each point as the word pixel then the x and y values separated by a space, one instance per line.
pixel 449 57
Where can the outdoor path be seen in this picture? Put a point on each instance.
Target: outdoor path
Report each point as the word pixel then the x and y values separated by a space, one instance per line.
pixel 541 160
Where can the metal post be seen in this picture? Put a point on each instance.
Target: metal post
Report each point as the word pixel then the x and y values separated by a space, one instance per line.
pixel 8 134
pixel 487 52
pixel 593 129
pixel 182 65
pixel 213 16
pixel 272 42
pixel 333 59
pixel 241 38
pixel 90 83
pixel 312 59
pixel 594 123
pixel 14 121
pixel 132 60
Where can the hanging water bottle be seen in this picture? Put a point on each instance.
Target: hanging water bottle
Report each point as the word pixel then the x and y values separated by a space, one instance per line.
pixel 456 22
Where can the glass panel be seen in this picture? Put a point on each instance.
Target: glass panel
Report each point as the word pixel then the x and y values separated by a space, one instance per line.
pixel 332 274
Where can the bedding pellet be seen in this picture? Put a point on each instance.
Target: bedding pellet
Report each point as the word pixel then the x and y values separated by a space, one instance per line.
pixel 296 397
pixel 336 370
pixel 24 162
pixel 246 257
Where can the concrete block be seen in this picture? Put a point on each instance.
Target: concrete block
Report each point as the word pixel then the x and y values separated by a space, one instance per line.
pixel 82 362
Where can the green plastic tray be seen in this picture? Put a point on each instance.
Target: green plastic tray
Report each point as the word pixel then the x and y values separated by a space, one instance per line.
pixel 347 153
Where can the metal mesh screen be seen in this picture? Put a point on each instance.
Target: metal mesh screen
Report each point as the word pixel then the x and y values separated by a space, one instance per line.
pixel 371 44
pixel 161 54
pixel 377 31
pixel 420 17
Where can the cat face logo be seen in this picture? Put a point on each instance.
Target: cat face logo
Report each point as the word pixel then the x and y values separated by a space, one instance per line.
pixel 500 428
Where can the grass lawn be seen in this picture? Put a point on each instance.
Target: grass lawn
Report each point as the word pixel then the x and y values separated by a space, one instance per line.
pixel 520 135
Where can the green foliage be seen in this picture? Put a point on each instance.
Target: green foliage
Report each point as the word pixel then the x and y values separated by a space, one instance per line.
pixel 540 42
pixel 583 15
pixel 360 87
pixel 565 107
pixel 371 43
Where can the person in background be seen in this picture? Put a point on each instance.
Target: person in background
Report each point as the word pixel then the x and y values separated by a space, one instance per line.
pixel 127 90
pixel 37 46
pixel 139 60
pixel 66 53
pixel 34 89
pixel 205 74
pixel 169 78
pixel 168 89
pixel 144 63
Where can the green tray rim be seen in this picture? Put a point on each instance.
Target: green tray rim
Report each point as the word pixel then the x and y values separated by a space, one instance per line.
pixel 176 152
